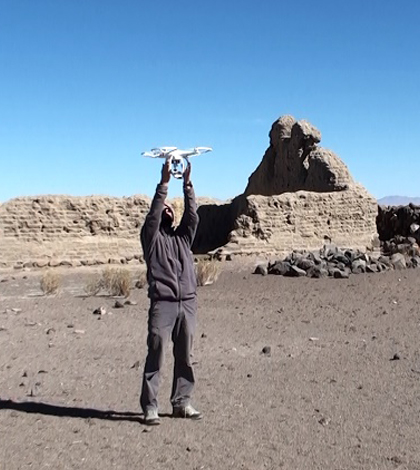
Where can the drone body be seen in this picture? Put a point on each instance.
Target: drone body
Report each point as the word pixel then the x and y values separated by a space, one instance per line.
pixel 177 158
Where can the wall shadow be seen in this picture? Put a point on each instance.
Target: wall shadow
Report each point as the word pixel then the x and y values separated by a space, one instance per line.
pixel 216 222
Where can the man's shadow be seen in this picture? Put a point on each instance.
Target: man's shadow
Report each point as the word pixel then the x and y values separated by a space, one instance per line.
pixel 70 412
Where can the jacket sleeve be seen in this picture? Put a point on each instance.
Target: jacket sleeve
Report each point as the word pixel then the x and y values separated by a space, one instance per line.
pixel 189 222
pixel 152 222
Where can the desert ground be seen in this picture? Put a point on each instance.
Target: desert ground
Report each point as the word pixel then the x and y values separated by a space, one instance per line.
pixel 336 388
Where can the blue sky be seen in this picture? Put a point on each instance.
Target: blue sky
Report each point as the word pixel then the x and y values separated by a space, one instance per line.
pixel 86 86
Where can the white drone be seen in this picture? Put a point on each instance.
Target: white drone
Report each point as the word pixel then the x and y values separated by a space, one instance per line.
pixel 178 158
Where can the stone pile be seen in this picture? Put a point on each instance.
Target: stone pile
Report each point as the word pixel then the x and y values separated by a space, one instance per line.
pixel 331 261
pixel 399 229
pixel 398 220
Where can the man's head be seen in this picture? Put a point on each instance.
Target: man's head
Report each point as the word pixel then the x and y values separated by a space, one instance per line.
pixel 168 215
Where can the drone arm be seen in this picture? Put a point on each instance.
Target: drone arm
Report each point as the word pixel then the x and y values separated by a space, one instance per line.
pixel 189 221
pixel 152 222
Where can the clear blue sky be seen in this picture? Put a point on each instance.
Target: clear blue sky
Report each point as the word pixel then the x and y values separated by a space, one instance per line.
pixel 86 86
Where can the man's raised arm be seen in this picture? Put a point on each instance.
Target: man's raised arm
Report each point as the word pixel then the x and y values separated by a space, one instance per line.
pixel 189 221
pixel 153 218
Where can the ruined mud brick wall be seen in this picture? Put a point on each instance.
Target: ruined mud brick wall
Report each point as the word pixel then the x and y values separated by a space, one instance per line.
pixel 303 220
pixel 299 197
pixel 54 230
pixel 72 231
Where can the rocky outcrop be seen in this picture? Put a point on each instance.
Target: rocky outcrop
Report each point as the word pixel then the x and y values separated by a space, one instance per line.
pixel 294 162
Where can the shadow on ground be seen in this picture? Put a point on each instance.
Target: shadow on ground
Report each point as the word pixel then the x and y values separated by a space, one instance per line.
pixel 69 412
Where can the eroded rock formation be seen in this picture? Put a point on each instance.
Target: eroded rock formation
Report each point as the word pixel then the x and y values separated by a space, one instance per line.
pixel 294 162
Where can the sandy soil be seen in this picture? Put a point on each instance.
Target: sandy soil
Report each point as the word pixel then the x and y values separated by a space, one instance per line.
pixel 339 390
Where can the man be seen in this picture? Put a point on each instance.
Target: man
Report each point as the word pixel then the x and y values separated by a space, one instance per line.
pixel 173 299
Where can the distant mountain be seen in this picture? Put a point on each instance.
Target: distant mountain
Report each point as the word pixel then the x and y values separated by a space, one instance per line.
pixel 398 200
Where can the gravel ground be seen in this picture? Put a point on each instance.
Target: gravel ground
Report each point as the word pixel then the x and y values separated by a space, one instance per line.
pixel 336 388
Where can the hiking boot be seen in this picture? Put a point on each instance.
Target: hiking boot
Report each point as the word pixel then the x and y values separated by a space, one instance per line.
pixel 187 411
pixel 151 417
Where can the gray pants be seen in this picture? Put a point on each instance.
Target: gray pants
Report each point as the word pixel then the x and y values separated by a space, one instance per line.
pixel 165 319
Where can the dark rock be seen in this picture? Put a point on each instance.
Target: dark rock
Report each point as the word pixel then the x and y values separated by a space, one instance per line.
pixel 266 350
pixel 294 271
pixel 261 269
pixel 317 272
pixel 384 260
pixel 383 267
pixel 305 264
pixel 342 259
pixel 350 255
pixel 395 357
pixel 316 258
pixel 100 311
pixel 280 268
pixel 398 261
pixel 358 266
pixel 340 274
pixel 415 261
pixel 118 304
pixel 329 250
pixel 372 268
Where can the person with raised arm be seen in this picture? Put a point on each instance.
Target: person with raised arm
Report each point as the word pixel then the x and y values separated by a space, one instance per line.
pixel 173 298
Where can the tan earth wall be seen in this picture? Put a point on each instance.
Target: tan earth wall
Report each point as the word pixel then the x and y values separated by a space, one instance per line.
pixel 304 220
pixel 58 230
pixel 74 231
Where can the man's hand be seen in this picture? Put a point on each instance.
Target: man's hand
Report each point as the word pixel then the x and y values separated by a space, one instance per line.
pixel 187 174
pixel 166 173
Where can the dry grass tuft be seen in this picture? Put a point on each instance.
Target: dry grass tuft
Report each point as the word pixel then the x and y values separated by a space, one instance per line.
pixel 107 276
pixel 50 282
pixel 141 279
pixel 94 285
pixel 114 281
pixel 118 282
pixel 207 272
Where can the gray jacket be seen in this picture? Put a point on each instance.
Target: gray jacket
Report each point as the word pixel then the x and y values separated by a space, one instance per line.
pixel 170 266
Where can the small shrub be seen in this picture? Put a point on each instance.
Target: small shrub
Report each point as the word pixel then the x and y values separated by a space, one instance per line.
pixel 114 281
pixel 120 282
pixel 94 285
pixel 50 282
pixel 141 279
pixel 107 278
pixel 207 272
